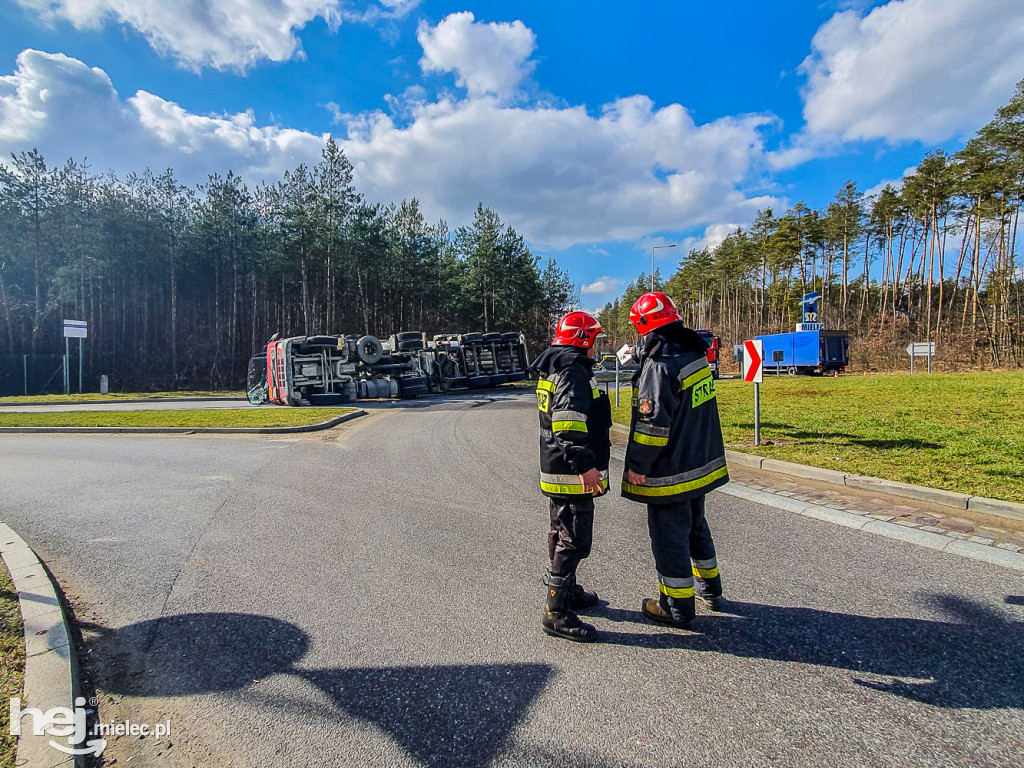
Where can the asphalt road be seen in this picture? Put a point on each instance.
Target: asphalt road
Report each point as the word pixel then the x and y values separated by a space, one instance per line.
pixel 373 598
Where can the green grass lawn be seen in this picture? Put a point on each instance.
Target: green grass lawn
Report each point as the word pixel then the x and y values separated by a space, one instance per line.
pixel 212 417
pixel 113 397
pixel 960 431
pixel 12 662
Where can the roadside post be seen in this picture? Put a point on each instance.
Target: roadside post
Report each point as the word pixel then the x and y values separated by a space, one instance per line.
pixel 753 370
pixel 921 349
pixel 73 329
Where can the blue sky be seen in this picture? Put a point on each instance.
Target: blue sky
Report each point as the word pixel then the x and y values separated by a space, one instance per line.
pixel 595 129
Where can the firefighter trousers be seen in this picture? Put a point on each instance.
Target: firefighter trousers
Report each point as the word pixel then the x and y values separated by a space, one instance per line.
pixel 684 554
pixel 571 534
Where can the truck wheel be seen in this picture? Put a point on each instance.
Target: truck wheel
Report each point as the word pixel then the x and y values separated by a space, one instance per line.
pixel 791 370
pixel 510 336
pixel 409 346
pixel 409 336
pixel 714 374
pixel 369 349
pixel 468 338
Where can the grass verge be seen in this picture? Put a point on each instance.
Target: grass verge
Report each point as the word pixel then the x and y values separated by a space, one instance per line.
pixel 211 417
pixel 113 397
pixel 959 431
pixel 12 662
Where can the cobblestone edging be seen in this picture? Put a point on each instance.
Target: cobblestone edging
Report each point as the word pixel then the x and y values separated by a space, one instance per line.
pixel 50 665
pixel 908 524
pixel 973 547
pixel 189 430
pixel 982 504
pixel 996 507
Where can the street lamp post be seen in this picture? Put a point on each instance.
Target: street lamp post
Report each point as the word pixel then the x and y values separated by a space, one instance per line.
pixel 653 248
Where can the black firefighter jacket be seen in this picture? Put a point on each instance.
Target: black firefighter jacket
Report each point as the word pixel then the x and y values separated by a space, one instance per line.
pixel 575 419
pixel 675 436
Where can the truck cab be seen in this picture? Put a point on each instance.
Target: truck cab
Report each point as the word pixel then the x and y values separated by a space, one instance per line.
pixel 714 343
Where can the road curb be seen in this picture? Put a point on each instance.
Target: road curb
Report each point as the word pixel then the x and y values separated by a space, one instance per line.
pixel 51 670
pixel 995 507
pixel 936 541
pixel 189 430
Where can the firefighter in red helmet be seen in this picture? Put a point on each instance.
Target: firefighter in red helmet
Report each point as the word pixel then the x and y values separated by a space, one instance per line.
pixel 575 420
pixel 675 457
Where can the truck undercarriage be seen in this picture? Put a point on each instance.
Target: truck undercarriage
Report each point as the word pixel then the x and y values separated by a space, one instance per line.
pixel 328 370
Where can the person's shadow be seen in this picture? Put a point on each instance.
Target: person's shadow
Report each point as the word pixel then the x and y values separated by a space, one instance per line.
pixel 975 660
pixel 447 715
pixel 461 715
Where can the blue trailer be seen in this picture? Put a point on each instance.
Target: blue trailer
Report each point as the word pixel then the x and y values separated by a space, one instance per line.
pixel 808 352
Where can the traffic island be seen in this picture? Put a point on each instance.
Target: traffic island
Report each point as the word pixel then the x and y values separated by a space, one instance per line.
pixel 261 421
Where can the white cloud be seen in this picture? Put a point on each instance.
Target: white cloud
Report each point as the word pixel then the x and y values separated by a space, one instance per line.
pixel 603 284
pixel 486 58
pixel 67 109
pixel 558 175
pixel 715 235
pixel 222 34
pixel 897 183
pixel 924 70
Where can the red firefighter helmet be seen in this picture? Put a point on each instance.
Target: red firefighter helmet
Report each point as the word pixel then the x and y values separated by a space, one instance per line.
pixel 652 310
pixel 577 329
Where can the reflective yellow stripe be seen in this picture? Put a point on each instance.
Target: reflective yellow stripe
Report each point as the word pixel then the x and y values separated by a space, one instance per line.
pixel 700 375
pixel 672 490
pixel 567 489
pixel 568 426
pixel 676 592
pixel 597 391
pixel 643 439
pixel 706 573
pixel 548 386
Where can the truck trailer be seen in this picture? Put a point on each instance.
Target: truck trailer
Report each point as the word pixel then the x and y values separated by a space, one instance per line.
pixel 807 352
pixel 328 370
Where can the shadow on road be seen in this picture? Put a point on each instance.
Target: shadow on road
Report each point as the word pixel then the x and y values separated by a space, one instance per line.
pixel 975 660
pixel 451 715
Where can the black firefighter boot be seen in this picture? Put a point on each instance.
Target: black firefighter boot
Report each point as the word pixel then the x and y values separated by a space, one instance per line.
pixel 559 619
pixel 579 598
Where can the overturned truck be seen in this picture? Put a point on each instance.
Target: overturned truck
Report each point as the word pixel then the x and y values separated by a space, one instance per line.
pixel 328 370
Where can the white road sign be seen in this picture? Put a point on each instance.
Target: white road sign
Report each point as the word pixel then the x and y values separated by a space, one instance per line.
pixel 76 329
pixel 753 357
pixel 921 349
